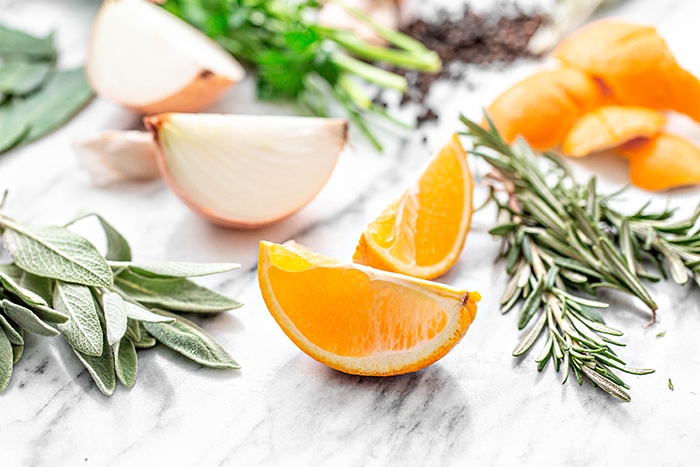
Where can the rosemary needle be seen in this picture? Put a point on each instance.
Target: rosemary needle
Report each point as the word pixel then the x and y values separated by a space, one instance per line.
pixel 561 239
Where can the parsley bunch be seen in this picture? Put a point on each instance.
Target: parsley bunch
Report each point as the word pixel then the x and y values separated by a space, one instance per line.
pixel 303 62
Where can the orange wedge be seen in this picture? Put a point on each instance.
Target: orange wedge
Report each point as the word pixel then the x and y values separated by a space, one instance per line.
pixel 636 64
pixel 610 126
pixel 543 107
pixel 423 232
pixel 361 320
pixel 663 162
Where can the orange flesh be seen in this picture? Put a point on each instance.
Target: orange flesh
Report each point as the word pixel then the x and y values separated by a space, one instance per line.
pixel 425 228
pixel 358 319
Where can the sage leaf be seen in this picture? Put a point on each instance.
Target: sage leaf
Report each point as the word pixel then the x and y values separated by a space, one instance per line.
pixel 178 294
pixel 115 316
pixel 63 94
pixel 17 351
pixel 167 270
pixel 126 362
pixel 27 319
pixel 12 334
pixel 41 286
pixel 100 367
pixel 6 360
pixel 14 126
pixel 118 248
pixel 21 78
pixel 17 44
pixel 55 252
pixel 26 295
pixel 82 330
pixel 188 339
pixel 139 313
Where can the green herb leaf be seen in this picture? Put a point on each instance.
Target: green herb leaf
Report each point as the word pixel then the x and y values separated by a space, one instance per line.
pixel 126 362
pixel 26 295
pixel 139 313
pixel 115 316
pixel 17 44
pixel 12 334
pixel 21 78
pixel 55 252
pixel 63 94
pixel 188 339
pixel 14 126
pixel 27 320
pixel 6 360
pixel 670 384
pixel 118 248
pixel 176 294
pixel 82 330
pixel 100 367
pixel 167 270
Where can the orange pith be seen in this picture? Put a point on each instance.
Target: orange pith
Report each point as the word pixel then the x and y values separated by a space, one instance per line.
pixel 543 107
pixel 610 126
pixel 423 232
pixel 663 162
pixel 635 63
pixel 361 320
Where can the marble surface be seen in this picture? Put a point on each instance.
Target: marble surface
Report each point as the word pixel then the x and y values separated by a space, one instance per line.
pixel 477 406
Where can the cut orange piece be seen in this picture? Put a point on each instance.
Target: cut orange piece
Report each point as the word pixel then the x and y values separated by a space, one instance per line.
pixel 663 162
pixel 610 126
pixel 635 63
pixel 543 107
pixel 361 320
pixel 423 232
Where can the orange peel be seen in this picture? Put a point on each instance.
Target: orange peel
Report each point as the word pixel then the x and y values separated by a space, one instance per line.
pixel 543 107
pixel 663 162
pixel 610 126
pixel 635 63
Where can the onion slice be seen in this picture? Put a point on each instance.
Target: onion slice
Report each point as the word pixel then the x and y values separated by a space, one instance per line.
pixel 146 59
pixel 246 171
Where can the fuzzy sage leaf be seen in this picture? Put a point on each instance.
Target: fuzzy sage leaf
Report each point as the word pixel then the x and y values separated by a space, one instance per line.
pixel 55 252
pixel 126 362
pixel 176 294
pixel 115 316
pixel 6 360
pixel 82 330
pixel 27 319
pixel 188 339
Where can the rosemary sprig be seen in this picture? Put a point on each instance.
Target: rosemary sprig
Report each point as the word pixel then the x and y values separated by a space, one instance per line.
pixel 561 238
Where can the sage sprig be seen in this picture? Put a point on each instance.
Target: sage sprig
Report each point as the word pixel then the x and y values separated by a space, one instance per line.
pixel 60 284
pixel 562 239
pixel 35 98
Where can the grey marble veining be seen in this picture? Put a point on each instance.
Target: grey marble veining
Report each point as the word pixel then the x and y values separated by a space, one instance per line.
pixel 477 406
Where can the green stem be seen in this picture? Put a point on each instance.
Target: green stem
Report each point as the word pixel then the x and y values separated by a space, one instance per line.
pixel 370 73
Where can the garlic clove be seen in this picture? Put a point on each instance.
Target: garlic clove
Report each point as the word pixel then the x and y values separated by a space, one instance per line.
pixel 115 156
pixel 384 12
pixel 246 171
pixel 146 59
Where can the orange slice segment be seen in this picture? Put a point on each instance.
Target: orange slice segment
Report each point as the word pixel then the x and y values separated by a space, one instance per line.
pixel 361 320
pixel 543 107
pixel 636 64
pixel 664 162
pixel 423 232
pixel 610 126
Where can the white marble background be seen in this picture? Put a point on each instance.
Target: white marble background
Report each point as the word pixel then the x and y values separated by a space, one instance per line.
pixel 477 406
